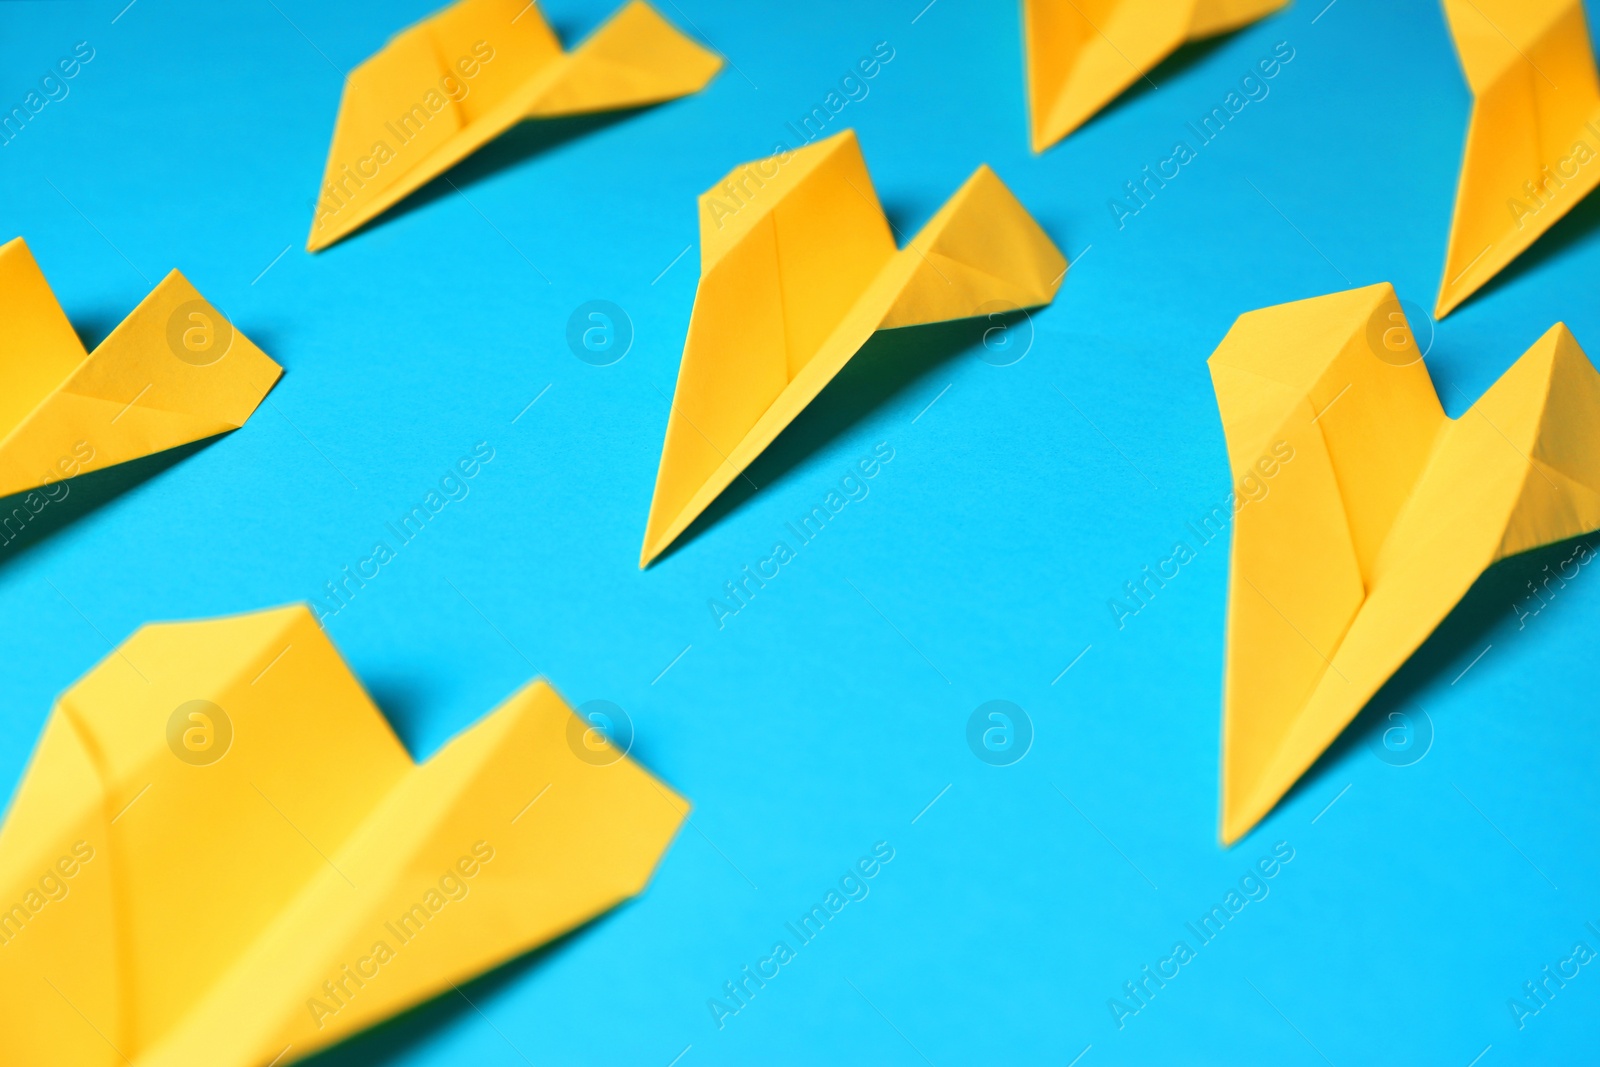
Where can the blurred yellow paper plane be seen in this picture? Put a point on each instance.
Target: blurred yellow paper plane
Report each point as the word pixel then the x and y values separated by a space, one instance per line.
pixel 442 89
pixel 1082 54
pixel 173 372
pixel 221 856
pixel 1533 143
pixel 1384 514
pixel 798 268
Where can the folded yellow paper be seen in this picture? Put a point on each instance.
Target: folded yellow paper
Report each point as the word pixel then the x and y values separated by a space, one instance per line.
pixel 1533 143
pixel 173 372
pixel 1082 54
pixel 442 89
pixel 221 856
pixel 1384 516
pixel 798 268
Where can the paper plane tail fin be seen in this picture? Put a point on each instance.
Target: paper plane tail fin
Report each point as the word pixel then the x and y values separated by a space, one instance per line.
pixel 982 253
pixel 635 59
pixel 174 371
pixel 1549 405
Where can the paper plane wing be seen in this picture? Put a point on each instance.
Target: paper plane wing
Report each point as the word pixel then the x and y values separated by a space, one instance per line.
pixel 1083 54
pixel 174 371
pixel 445 87
pixel 1370 513
pixel 221 854
pixel 798 269
pixel 1533 143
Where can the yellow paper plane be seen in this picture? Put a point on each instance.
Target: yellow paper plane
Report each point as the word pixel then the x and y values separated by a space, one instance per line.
pixel 798 268
pixel 1378 513
pixel 222 856
pixel 1082 54
pixel 1533 143
pixel 445 87
pixel 173 372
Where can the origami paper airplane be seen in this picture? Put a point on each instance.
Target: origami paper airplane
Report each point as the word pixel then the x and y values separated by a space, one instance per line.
pixel 798 268
pixel 173 372
pixel 221 856
pixel 1081 56
pixel 1534 137
pixel 1379 513
pixel 442 89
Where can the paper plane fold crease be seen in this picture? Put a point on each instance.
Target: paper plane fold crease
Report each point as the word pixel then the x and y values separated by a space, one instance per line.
pixel 1082 54
pixel 174 371
pixel 442 89
pixel 222 856
pixel 1370 513
pixel 1533 142
pixel 798 268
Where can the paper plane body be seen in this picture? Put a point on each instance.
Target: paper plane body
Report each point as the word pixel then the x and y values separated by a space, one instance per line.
pixel 1083 54
pixel 1533 142
pixel 173 372
pixel 1365 513
pixel 798 268
pixel 221 855
pixel 442 89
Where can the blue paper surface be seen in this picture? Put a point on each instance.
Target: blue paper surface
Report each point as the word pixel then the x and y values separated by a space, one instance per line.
pixel 831 712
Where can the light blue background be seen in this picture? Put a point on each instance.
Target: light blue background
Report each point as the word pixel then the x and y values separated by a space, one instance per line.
pixel 811 725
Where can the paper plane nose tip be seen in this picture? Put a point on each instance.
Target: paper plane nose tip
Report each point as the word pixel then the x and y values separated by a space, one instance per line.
pixel 1237 820
pixel 1049 135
